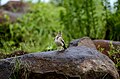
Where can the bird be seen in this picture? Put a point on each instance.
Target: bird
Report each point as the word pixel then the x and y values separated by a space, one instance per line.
pixel 59 40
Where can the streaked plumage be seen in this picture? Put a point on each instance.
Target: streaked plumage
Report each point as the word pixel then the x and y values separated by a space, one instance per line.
pixel 59 40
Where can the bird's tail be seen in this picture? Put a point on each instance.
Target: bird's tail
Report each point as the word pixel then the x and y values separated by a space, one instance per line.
pixel 64 46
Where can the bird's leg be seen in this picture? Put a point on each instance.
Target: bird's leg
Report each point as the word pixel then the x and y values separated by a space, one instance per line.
pixel 59 48
pixel 60 42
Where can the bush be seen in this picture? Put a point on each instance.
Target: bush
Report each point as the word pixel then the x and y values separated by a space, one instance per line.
pixel 34 31
pixel 83 18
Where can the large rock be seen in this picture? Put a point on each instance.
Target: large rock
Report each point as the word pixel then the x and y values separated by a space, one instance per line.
pixel 76 62
pixel 15 6
pixel 106 45
pixel 85 41
pixel 13 10
pixel 6 69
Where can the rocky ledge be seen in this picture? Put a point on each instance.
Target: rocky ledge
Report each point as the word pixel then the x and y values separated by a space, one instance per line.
pixel 81 61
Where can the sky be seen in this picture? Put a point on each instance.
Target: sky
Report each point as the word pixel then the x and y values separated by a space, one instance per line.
pixel 112 2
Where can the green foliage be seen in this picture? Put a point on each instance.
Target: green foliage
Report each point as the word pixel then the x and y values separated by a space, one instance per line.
pixel 75 18
pixel 56 2
pixel 113 27
pixel 115 53
pixel 18 71
pixel 83 18
pixel 15 74
pixel 34 31
pixel 113 24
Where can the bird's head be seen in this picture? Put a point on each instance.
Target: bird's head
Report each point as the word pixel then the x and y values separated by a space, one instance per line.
pixel 59 34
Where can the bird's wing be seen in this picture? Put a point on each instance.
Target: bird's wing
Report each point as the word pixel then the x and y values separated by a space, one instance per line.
pixel 61 39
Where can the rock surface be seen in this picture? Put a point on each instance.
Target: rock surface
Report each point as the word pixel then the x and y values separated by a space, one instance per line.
pixel 76 62
pixel 98 44
pixel 106 45
pixel 15 6
pixel 6 69
pixel 12 10
pixel 85 41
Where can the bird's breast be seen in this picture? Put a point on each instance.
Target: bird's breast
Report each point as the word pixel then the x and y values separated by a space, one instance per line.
pixel 58 43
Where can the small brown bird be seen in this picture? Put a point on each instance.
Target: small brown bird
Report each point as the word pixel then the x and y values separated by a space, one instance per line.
pixel 59 40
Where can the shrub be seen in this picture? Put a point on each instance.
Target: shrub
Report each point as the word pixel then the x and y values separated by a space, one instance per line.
pixel 35 30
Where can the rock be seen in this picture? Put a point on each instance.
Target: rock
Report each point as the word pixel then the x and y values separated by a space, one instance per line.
pixel 12 10
pixel 8 17
pixel 106 45
pixel 98 44
pixel 16 53
pixel 85 41
pixel 15 6
pixel 6 69
pixel 76 62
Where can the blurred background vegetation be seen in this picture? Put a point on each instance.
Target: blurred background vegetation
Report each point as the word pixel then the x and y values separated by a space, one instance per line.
pixel 35 31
